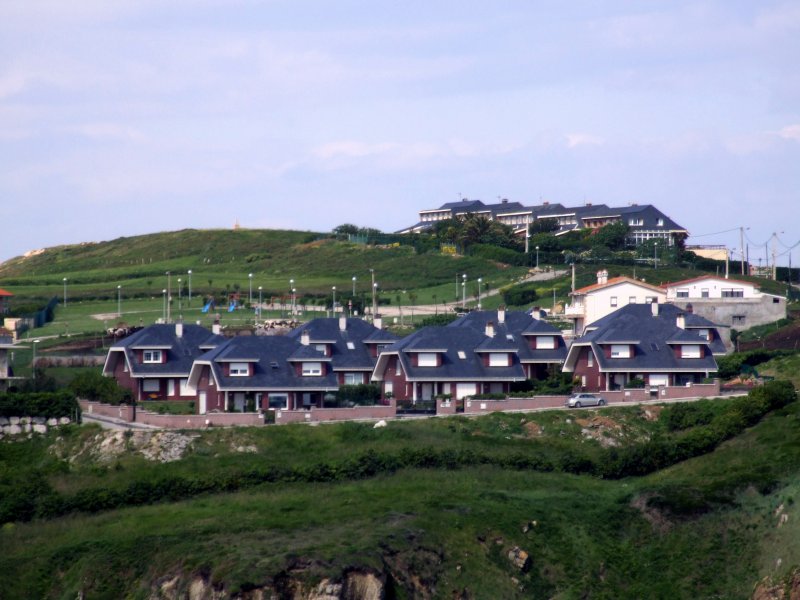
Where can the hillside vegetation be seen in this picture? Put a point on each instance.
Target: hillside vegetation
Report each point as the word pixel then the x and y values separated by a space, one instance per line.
pixel 537 505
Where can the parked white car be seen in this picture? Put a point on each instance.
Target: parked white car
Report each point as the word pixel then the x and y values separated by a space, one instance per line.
pixel 579 400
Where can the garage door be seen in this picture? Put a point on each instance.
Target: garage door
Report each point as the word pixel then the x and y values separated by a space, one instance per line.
pixel 465 389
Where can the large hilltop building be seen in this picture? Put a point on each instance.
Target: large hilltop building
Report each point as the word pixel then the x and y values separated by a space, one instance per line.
pixel 645 222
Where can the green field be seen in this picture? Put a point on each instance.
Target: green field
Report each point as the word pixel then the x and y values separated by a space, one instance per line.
pixel 704 527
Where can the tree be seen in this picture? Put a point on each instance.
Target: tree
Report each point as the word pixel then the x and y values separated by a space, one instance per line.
pixel 543 226
pixel 613 236
pixel 345 229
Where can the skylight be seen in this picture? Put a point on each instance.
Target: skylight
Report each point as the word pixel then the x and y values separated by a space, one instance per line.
pixel 351 346
pixel 462 355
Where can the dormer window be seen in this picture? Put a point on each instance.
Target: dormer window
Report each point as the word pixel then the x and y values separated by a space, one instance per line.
pixel 704 333
pixel 498 359
pixel 152 356
pixel 239 369
pixel 691 351
pixel 427 359
pixel 620 351
pixel 312 369
pixel 321 348
pixel 635 222
pixel 545 342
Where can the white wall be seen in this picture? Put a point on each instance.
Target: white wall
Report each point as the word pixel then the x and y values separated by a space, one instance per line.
pixel 714 287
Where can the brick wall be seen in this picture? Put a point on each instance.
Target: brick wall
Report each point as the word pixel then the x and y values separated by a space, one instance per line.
pixel 123 411
pixel 321 415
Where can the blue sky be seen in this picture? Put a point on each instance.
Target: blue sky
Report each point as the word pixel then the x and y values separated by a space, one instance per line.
pixel 134 116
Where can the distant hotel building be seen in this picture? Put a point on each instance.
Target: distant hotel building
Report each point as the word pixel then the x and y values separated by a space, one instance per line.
pixel 645 222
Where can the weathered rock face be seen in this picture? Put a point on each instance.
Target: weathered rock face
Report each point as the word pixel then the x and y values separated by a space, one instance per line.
pixel 354 585
pixel 788 589
pixel 107 445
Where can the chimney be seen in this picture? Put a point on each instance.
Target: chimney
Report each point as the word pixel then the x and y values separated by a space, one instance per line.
pixel 305 338
pixel 179 329
pixel 690 308
pixel 504 201
pixel 602 277
pixel 680 321
pixel 654 308
pixel 588 204
pixel 342 323
pixel 501 314
pixel 377 322
pixel 546 203
pixel 215 329
pixel 535 313
pixel 490 329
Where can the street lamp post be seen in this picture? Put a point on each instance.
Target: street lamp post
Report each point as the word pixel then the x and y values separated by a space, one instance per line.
pixel 33 362
pixel 164 314
pixel 119 301
pixel 291 288
pixel 374 300
pixel 334 300
pixel 480 280
pixel 190 286
pixel 169 296
pixel 354 286
pixel 250 278
pixel 259 300
pixel 294 291
pixel 464 290
pixel 65 292
pixel 537 257
pixel 180 301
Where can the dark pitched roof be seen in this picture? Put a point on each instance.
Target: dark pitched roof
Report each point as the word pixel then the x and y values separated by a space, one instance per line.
pixel 349 346
pixel 181 351
pixel 636 324
pixel 272 369
pixel 650 216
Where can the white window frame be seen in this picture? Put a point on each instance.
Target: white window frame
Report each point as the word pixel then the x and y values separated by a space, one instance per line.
pixel 691 351
pixel 170 387
pixel 682 293
pixel 704 293
pixel 545 342
pixel 613 301
pixel 151 385
pixel 184 388
pixel 631 299
pixel 355 378
pixel 388 387
pixel 465 389
pixel 704 333
pixel 590 360
pixel 312 369
pixel 152 357
pixel 427 359
pixel 498 359
pixel 620 351
pixel 277 396
pixel 239 369
pixel 398 368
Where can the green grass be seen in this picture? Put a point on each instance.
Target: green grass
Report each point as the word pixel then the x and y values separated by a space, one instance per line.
pixel 589 539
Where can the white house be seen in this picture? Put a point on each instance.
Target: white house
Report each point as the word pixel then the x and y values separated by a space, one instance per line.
pixel 728 302
pixel 595 301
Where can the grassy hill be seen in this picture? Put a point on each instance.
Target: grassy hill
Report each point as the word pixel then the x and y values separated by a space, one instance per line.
pixel 293 506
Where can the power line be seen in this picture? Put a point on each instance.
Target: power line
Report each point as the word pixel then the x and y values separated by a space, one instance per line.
pixel 717 233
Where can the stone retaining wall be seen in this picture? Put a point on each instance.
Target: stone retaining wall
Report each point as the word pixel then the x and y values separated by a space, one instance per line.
pixel 23 425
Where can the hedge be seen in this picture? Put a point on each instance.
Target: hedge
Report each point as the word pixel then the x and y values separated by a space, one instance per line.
pixel 50 405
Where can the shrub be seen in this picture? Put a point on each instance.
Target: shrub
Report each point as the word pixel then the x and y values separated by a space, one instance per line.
pixel 93 386
pixel 50 405
pixel 520 295
pixel 363 394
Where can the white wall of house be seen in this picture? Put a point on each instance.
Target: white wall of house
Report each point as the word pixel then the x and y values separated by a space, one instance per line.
pixel 601 302
pixel 712 288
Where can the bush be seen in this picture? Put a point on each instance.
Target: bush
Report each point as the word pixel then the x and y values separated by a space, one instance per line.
pixel 363 394
pixel 520 295
pixel 50 405
pixel 93 386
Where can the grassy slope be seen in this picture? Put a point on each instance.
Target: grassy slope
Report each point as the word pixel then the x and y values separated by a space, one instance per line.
pixel 717 534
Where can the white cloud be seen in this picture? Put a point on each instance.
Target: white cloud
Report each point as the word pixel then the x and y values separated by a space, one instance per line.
pixel 790 132
pixel 583 139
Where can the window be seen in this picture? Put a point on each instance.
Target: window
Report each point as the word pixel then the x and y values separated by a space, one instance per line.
pixel 620 351
pixel 465 389
pixel 657 379
pixel 462 355
pixel 311 369
pixel 704 333
pixel 635 222
pixel 321 348
pixel 690 351
pixel 650 300
pixel 631 299
pixel 353 378
pixel 776 300
pixel 151 385
pixel 397 367
pixel 733 293
pixel 279 401
pixel 184 388
pixel 660 222
pixel 498 359
pixel 682 293
pixel 351 346
pixel 239 369
pixel 151 356
pixel 427 359
pixel 613 300
pixel 590 360
pixel 704 293
pixel 545 342
pixel 738 320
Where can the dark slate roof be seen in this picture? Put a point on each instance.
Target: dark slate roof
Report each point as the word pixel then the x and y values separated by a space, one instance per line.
pixel 356 332
pixel 469 205
pixel 271 371
pixel 381 336
pixel 506 207
pixel 518 324
pixel 302 353
pixel 669 312
pixel 181 351
pixel 650 216
pixel 651 334
pixel 452 340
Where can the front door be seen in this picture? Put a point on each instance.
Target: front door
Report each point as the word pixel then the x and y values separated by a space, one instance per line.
pixel 201 398
pixel 427 391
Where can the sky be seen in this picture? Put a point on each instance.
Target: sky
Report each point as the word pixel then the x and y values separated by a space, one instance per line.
pixel 135 116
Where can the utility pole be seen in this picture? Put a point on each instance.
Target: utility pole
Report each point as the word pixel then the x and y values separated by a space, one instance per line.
pixel 741 245
pixel 169 294
pixel 374 298
pixel 774 255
